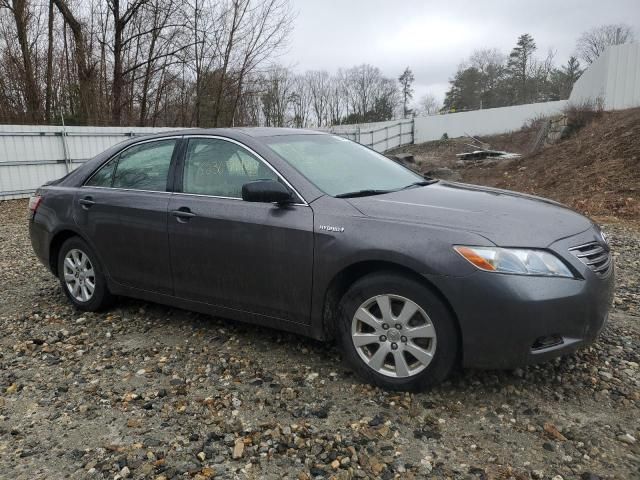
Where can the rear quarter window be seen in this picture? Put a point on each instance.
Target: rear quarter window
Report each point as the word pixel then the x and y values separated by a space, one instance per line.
pixel 104 176
pixel 140 167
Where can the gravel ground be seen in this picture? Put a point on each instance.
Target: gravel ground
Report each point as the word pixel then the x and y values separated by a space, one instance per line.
pixel 146 391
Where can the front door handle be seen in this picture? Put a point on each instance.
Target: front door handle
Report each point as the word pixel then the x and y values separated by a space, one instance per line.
pixel 183 214
pixel 87 202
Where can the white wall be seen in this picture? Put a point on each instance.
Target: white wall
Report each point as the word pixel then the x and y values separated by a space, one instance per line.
pixel 482 122
pixel 614 78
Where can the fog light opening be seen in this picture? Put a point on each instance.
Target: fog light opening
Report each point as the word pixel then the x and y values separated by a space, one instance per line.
pixel 546 342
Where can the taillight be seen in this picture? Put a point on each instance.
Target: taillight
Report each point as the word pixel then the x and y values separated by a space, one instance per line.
pixel 34 203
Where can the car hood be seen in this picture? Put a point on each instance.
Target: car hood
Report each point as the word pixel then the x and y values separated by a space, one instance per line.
pixel 505 218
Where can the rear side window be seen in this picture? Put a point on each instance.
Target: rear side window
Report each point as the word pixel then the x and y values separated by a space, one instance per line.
pixel 141 167
pixel 220 168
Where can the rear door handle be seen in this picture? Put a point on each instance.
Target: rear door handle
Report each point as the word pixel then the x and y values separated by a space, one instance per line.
pixel 86 202
pixel 183 214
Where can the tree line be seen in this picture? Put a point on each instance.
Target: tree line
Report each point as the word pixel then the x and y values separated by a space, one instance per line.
pixel 205 63
pixel 136 62
pixel 213 63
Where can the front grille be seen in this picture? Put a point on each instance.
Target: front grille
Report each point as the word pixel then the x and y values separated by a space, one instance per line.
pixel 594 256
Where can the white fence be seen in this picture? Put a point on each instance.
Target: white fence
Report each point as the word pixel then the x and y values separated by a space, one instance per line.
pixel 32 155
pixel 380 136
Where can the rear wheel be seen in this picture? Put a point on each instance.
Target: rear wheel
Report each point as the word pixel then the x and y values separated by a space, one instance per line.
pixel 396 333
pixel 81 276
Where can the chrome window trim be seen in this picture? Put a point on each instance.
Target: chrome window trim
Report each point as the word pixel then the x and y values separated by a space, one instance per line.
pixel 84 184
pixel 254 153
pixel 232 198
pixel 178 137
pixel 181 193
pixel 126 189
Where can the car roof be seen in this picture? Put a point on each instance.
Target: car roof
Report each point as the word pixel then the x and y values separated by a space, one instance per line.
pixel 275 132
pixel 249 131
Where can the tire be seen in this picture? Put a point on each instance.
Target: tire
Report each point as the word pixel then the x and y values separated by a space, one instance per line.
pixel 430 333
pixel 84 271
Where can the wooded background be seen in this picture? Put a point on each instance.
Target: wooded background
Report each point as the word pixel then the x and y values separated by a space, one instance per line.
pixel 213 63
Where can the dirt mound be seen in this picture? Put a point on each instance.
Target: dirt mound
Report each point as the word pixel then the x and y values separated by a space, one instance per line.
pixel 596 170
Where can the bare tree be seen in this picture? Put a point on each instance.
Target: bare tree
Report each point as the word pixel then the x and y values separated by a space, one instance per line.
pixel 365 89
pixel 203 18
pixel 161 42
pixel 593 42
pixel 300 99
pixel 337 101
pixel 256 31
pixel 268 28
pixel 86 68
pixel 121 19
pixel 319 90
pixel 22 16
pixel 486 59
pixel 49 74
pixel 429 104
pixel 277 95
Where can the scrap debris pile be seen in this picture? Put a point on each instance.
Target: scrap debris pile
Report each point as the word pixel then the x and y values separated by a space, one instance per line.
pixel 482 150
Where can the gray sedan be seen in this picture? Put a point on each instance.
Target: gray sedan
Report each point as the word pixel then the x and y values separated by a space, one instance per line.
pixel 320 236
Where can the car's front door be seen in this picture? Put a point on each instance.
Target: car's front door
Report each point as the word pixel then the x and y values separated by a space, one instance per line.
pixel 122 209
pixel 255 257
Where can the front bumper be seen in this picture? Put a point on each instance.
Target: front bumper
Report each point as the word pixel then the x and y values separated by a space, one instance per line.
pixel 503 318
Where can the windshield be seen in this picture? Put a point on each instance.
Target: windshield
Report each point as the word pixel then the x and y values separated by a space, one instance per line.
pixel 340 167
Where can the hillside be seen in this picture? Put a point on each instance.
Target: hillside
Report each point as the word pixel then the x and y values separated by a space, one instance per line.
pixel 595 170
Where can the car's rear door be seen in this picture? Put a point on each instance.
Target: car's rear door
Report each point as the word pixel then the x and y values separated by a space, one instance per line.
pixel 122 209
pixel 255 257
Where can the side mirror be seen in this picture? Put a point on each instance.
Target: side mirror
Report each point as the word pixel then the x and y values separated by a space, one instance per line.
pixel 266 191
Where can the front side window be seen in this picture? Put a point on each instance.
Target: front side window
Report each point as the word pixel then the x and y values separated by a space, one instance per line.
pixel 220 168
pixel 141 167
pixel 338 166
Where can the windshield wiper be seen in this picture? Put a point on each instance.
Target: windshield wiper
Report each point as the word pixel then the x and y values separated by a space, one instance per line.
pixel 367 192
pixel 362 193
pixel 426 181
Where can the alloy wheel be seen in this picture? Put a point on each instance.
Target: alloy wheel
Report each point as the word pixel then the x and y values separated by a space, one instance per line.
pixel 393 335
pixel 79 275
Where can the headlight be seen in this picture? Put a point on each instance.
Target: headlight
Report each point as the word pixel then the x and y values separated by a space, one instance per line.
pixel 519 261
pixel 601 233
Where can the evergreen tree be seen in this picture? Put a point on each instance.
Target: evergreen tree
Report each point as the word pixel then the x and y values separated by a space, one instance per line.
pixel 406 82
pixel 520 67
pixel 464 93
pixel 572 71
pixel 565 77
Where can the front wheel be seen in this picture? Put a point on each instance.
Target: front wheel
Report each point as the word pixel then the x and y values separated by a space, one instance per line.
pixel 397 334
pixel 81 276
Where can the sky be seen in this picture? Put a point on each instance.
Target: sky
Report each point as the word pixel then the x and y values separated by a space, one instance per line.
pixel 433 37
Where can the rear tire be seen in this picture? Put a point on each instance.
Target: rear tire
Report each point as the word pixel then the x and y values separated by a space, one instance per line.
pixel 406 336
pixel 82 277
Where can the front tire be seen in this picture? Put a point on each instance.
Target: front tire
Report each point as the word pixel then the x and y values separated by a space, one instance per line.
pixel 82 277
pixel 397 334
